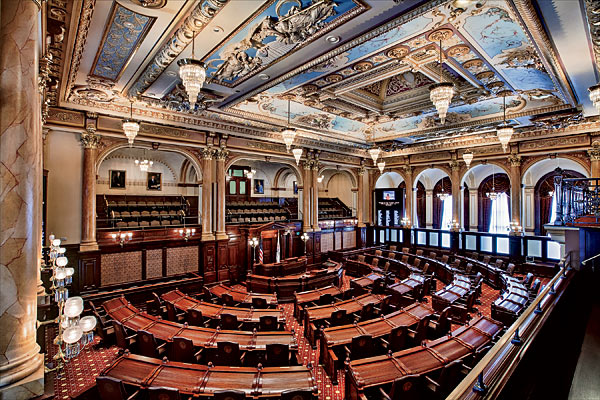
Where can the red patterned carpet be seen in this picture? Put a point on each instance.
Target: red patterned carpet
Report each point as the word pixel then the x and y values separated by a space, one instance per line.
pixel 80 373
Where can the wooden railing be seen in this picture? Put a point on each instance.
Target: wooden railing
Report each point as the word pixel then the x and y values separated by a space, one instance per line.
pixel 489 376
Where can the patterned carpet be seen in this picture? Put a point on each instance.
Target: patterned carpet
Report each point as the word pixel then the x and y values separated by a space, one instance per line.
pixel 80 373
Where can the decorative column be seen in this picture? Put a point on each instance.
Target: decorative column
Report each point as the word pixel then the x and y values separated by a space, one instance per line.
pixel 90 141
pixel 473 209
pixel 362 171
pixel 221 156
pixel 306 195
pixel 594 154
pixel 429 208
pixel 456 192
pixel 515 187
pixel 315 195
pixel 409 191
pixel 21 364
pixel 207 178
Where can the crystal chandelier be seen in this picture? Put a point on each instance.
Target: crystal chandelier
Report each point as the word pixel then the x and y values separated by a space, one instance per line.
pixel 130 127
pixel 249 174
pixel 468 157
pixel 493 195
pixel 193 74
pixel 297 154
pixel 443 195
pixel 320 178
pixel 441 93
pixel 504 131
pixel 144 164
pixel 381 166
pixel 374 152
pixel 595 96
pixel 289 133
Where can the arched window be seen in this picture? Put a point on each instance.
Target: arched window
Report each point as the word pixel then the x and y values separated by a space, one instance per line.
pixel 420 207
pixel 440 207
pixel 500 184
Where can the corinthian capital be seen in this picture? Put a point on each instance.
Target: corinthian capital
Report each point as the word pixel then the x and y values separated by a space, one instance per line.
pixel 221 154
pixel 514 160
pixel 594 152
pixel 89 139
pixel 454 166
pixel 207 153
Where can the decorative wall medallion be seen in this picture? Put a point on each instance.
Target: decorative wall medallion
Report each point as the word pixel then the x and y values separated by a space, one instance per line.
pixel 398 52
pixel 97 89
pixel 333 78
pixel 363 66
pixel 440 34
pixel 310 88
pixel 495 85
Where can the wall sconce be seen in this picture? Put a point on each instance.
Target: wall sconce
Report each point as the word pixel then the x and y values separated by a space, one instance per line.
pixel 304 238
pixel 186 233
pixel 320 178
pixel 515 229
pixel 405 222
pixel 454 226
pixel 253 242
pixel 122 238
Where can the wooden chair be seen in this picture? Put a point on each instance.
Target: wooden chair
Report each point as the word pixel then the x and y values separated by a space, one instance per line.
pixel 277 355
pixel 486 260
pixel 417 262
pixel 230 322
pixel 404 259
pixel 361 258
pixel 163 393
pixel 195 318
pixel 229 395
pixel 113 388
pixel 528 279
pixel 419 252
pixel 510 270
pixel 147 345
pixel 445 259
pixel 361 347
pixel 499 263
pixel 259 303
pixel 172 314
pixel 182 350
pixel 103 329
pixel 535 287
pixel 420 333
pixel 268 323
pixel 392 248
pixel 228 300
pixel 425 268
pixel 325 299
pixel 442 325
pixel 228 354
pixel 433 255
pixel 367 312
pixel 375 262
pixel 122 340
pixel 405 388
pixel 446 381
pixel 294 394
pixel 405 250
pixel 396 340
pixel 379 253
pixel 338 317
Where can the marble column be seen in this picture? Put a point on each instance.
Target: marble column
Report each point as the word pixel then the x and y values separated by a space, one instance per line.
pixel 21 364
pixel 221 157
pixel 594 154
pixel 361 197
pixel 429 208
pixel 89 141
pixel 515 187
pixel 207 179
pixel 456 192
pixel 315 196
pixel 306 195
pixel 408 183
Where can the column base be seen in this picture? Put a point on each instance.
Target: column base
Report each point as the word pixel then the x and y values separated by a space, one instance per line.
pixel 207 237
pixel 316 229
pixel 30 386
pixel 88 246
pixel 222 236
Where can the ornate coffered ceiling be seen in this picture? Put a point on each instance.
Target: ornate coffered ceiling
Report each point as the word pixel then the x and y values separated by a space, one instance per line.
pixel 354 71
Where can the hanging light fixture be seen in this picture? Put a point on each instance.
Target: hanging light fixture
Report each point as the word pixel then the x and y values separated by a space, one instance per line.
pixel 493 195
pixel 288 134
pixel 468 157
pixel 320 178
pixel 130 127
pixel 297 152
pixel 441 93
pixel 193 74
pixel 443 195
pixel 381 166
pixel 249 174
pixel 144 164
pixel 374 152
pixel 504 131
pixel 595 96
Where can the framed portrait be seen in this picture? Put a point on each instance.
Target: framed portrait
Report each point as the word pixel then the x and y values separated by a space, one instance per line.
pixel 116 179
pixel 154 181
pixel 259 186
pixel 295 187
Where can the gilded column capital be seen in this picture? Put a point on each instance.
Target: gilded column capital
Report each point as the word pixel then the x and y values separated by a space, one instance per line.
pixel 514 160
pixel 221 154
pixel 45 133
pixel 594 152
pixel 316 165
pixel 362 170
pixel 207 153
pixel 454 165
pixel 89 139
pixel 407 169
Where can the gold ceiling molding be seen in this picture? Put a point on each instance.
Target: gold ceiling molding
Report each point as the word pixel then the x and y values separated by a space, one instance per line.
pixel 85 18
pixel 592 9
pixel 553 144
pixel 66 117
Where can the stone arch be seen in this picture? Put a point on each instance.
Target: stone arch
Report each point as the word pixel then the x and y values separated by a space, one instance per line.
pixel 291 165
pixel 476 164
pixel 347 171
pixel 545 165
pixel 395 177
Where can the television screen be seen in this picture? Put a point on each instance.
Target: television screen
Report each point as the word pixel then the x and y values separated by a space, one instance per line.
pixel 389 195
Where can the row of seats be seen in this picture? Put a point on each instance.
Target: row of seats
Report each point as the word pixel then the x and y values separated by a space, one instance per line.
pixel 255 210
pixel 271 218
pixel 143 203
pixel 145 213
pixel 154 222
pixel 247 203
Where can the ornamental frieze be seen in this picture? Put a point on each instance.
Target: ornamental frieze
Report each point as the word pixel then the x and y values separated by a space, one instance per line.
pixel 554 143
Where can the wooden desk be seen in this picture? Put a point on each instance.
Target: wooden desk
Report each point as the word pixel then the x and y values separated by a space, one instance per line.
pixel 286 286
pixel 202 380
pixel 240 296
pixel 400 291
pixel 338 336
pixel 300 299
pixel 366 375
pixel 490 273
pixel 447 296
pixel 214 311
pixel 120 310
pixel 313 316
pixel 364 283
pixel 296 265
pixel 511 302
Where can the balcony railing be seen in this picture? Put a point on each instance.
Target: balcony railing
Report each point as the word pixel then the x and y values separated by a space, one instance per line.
pixel 578 201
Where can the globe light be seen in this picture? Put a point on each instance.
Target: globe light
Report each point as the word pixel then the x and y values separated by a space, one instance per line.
pixel 60 274
pixel 61 261
pixel 56 242
pixel 74 307
pixel 297 154
pixel 88 323
pixel 72 334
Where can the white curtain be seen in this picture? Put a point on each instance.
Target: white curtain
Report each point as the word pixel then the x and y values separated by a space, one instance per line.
pixel 500 220
pixel 553 210
pixel 446 213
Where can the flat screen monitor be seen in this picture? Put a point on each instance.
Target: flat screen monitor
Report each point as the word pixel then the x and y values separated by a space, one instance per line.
pixel 389 195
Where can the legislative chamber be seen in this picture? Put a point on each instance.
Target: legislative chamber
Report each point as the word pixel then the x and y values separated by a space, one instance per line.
pixel 299 199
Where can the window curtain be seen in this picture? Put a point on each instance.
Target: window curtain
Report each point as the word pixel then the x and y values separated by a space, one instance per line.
pixel 501 184
pixel 421 204
pixel 446 213
pixel 466 210
pixel 438 205
pixel 500 218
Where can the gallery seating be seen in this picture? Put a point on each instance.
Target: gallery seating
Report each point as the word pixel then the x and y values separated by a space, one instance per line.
pixel 145 211
pixel 252 212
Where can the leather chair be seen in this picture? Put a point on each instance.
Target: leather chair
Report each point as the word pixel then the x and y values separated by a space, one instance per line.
pixel 182 350
pixel 113 388
pixel 268 323
pixel 230 322
pixel 259 303
pixel 172 314
pixel 277 355
pixel 228 354
pixel 147 345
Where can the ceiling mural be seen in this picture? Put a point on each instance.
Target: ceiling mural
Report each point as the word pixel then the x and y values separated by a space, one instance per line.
pixel 124 31
pixel 356 70
pixel 273 33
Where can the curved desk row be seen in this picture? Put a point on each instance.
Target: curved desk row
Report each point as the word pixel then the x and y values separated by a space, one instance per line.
pixel 310 296
pixel 511 302
pixel 239 296
pixel 204 381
